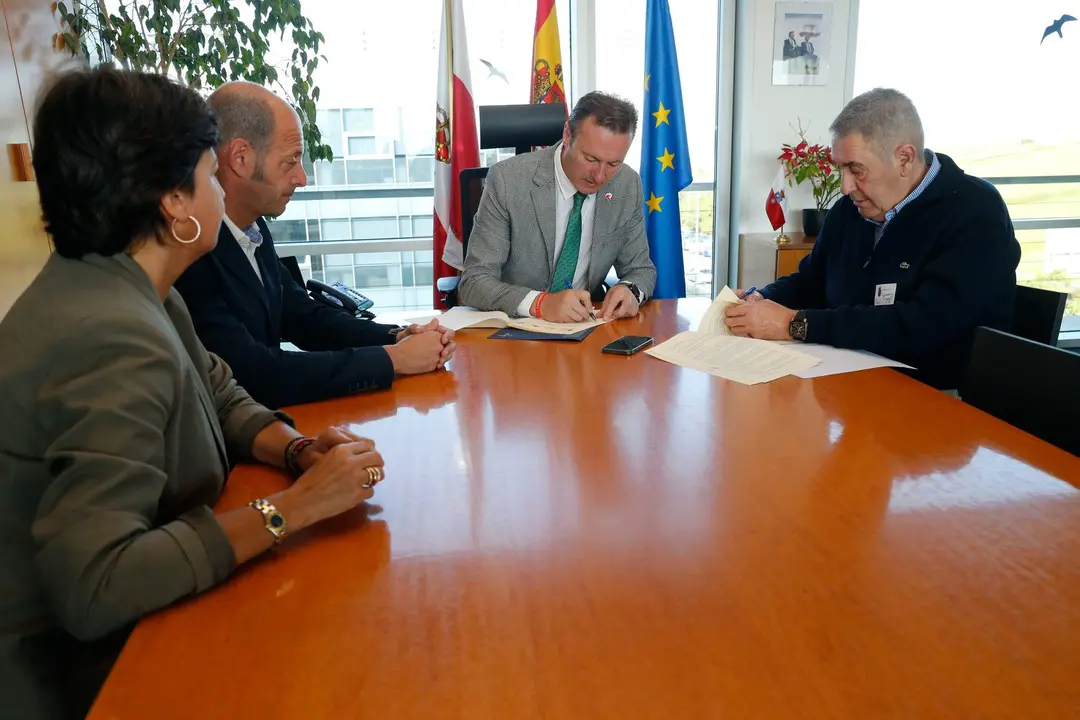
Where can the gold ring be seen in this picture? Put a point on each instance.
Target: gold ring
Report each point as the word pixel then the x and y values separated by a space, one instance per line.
pixel 375 474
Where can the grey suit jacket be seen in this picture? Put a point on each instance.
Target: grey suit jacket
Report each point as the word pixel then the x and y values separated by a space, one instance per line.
pixel 116 437
pixel 512 245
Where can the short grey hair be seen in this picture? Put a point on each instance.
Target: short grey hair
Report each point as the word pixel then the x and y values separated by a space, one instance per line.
pixel 608 111
pixel 243 114
pixel 884 117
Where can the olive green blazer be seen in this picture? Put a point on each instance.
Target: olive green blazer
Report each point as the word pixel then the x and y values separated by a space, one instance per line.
pixel 117 432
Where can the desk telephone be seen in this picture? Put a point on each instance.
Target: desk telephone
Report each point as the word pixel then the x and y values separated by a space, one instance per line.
pixel 340 296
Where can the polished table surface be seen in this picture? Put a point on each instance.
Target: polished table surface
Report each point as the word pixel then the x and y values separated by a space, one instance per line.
pixel 566 534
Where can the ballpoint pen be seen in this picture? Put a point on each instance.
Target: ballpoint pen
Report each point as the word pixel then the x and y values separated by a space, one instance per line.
pixel 570 286
pixel 749 292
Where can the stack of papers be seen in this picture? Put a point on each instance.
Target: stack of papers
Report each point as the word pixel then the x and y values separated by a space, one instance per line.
pixel 463 318
pixel 743 360
pixel 715 350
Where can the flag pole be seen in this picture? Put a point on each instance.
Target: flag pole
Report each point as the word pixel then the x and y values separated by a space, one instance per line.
pixel 449 10
pixel 782 239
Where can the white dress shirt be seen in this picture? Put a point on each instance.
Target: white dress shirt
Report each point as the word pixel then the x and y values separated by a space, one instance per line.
pixel 246 245
pixel 564 203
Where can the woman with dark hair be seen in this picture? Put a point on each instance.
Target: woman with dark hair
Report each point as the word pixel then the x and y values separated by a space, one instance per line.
pixel 119 429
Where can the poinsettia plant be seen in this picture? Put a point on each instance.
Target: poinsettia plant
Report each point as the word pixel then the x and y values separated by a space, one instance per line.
pixel 814 163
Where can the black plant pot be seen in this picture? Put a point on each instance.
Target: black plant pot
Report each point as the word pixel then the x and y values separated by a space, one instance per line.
pixel 812 220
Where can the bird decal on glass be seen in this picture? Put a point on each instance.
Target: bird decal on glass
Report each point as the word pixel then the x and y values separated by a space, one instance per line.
pixel 1055 27
pixel 494 71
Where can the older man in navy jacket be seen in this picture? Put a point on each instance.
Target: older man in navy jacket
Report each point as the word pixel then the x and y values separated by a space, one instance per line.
pixel 244 302
pixel 913 258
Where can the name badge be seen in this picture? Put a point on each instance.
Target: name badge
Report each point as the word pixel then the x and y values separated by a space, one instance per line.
pixel 885 294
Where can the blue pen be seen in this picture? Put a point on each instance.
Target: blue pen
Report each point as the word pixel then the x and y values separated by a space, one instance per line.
pixel 570 286
pixel 749 292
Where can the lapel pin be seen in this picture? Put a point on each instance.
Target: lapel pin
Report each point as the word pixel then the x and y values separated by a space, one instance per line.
pixel 608 196
pixel 904 266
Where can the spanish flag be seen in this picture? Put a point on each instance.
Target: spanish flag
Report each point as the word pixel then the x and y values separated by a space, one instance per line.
pixel 547 76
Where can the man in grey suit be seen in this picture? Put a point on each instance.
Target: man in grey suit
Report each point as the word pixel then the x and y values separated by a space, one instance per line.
pixel 552 223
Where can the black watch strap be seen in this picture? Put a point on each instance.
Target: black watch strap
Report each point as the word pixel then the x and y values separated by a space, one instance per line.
pixel 798 326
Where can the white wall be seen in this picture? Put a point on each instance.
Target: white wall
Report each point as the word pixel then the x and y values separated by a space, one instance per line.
pixel 766 113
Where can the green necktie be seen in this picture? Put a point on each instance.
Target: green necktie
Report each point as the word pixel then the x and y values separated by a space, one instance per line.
pixel 567 264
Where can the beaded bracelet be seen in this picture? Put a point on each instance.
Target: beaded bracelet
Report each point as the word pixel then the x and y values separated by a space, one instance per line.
pixel 292 451
pixel 539 302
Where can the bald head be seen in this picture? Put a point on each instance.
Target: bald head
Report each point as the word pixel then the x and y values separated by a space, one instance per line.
pixel 246 111
pixel 259 156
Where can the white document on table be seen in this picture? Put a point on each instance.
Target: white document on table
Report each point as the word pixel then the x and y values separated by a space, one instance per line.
pixel 464 318
pixel 743 360
pixel 712 322
pixel 836 361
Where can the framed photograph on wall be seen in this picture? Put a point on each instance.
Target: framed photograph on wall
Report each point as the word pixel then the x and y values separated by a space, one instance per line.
pixel 802 43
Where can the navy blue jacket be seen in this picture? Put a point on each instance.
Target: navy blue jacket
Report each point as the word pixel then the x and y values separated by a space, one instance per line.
pixel 244 321
pixel 952 253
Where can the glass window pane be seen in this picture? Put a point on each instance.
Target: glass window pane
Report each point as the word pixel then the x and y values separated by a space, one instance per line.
pixel 502 33
pixel 1050 259
pixel 377 258
pixel 336 230
pixel 288 230
pixel 378 275
pixel 339 274
pixel 422 169
pixel 361 146
pixel 404 227
pixel 374 228
pixel 423 226
pixel 329 122
pixel 370 172
pixel 622 36
pixel 330 173
pixel 313 231
pixel 407 275
pixel 1032 133
pixel 424 275
pixel 360 120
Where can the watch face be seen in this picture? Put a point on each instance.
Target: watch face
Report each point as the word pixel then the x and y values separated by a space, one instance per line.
pixel 797 328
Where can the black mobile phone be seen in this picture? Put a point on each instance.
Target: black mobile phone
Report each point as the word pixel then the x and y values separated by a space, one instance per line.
pixel 627 345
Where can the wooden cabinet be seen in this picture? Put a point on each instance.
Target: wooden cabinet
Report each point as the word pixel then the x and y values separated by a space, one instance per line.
pixel 26 59
pixel 761 260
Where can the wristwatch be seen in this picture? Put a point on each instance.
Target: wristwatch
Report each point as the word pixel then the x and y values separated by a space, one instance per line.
pixel 637 292
pixel 395 331
pixel 798 326
pixel 275 521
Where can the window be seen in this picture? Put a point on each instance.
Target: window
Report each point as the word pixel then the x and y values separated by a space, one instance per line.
pixel 330 173
pixel 360 120
pixel 370 172
pixel 1004 118
pixel 620 69
pixel 361 146
pixel 374 228
pixel 379 121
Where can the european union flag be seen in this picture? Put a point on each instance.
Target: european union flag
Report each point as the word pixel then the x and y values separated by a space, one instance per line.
pixel 665 160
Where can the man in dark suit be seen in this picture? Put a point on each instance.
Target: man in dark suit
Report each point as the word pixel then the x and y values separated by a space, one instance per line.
pixel 244 302
pixel 791 46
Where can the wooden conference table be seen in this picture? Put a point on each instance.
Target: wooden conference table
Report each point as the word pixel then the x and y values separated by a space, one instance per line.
pixel 566 534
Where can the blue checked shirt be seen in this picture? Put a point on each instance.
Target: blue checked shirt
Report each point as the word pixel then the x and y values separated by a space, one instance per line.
pixel 935 167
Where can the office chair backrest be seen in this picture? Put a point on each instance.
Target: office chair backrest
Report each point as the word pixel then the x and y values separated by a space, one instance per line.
pixel 521 126
pixel 1028 384
pixel 1037 314
pixel 293 266
pixel 472 188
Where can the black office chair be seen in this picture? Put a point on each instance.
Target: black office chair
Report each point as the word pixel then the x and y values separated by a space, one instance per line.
pixel 1030 385
pixel 293 266
pixel 521 127
pixel 1037 314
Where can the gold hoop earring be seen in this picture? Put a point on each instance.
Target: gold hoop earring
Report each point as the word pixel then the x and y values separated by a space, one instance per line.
pixel 198 231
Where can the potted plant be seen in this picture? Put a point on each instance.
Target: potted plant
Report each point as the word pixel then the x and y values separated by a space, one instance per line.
pixel 805 162
pixel 203 44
